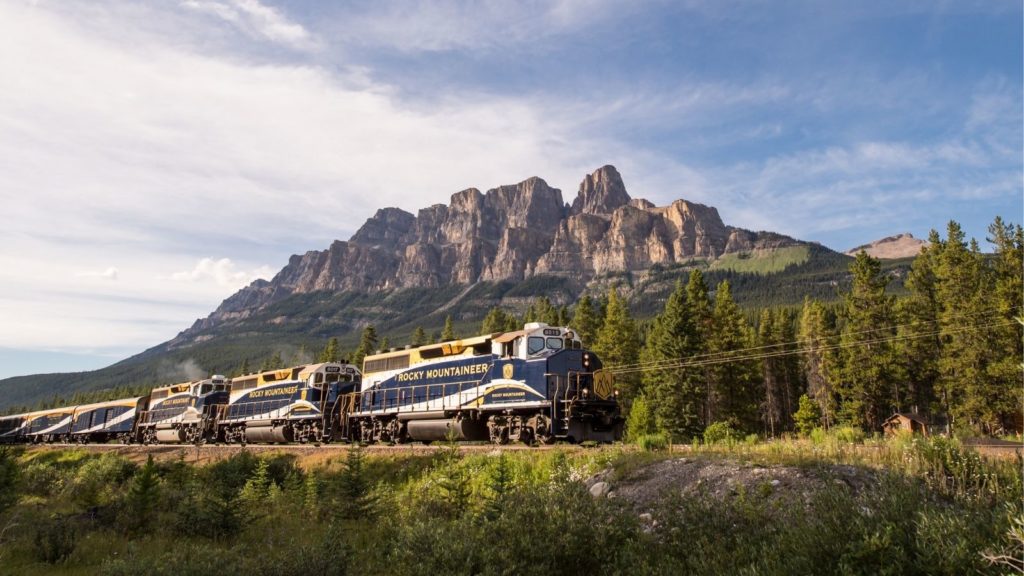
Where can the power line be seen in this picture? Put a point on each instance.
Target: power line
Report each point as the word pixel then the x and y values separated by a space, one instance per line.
pixel 725 358
pixel 712 355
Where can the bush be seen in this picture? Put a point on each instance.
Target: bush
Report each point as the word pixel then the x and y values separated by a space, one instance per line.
pixel 848 434
pixel 720 432
pixel 54 540
pixel 653 442
pixel 9 476
pixel 641 420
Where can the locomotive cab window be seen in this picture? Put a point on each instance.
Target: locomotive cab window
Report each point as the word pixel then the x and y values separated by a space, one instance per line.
pixel 555 343
pixel 534 345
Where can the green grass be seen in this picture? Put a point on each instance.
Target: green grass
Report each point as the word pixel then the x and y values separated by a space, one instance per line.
pixel 934 508
pixel 764 262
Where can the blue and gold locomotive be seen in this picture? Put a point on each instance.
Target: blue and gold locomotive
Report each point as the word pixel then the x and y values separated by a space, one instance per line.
pixel 536 384
pixel 184 412
pixel 297 404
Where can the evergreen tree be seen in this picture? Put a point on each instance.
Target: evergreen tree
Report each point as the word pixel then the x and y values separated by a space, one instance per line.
pixel 641 421
pixel 734 382
pixel 385 344
pixel 355 498
pixel 698 308
pixel 143 496
pixel 585 321
pixel 819 363
pixel 497 320
pixel 618 343
pixel 870 383
pixel 1006 334
pixel 771 403
pixel 563 316
pixel 542 311
pixel 918 315
pixel 676 393
pixel 501 489
pixel 808 416
pixel 419 336
pixel 244 368
pixel 449 332
pixel 367 345
pixel 331 351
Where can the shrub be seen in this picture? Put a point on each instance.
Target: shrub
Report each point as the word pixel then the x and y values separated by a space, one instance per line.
pixel 653 442
pixel 641 420
pixel 54 540
pixel 807 416
pixel 720 432
pixel 9 477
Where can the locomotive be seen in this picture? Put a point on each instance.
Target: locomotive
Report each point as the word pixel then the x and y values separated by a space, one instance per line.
pixel 537 384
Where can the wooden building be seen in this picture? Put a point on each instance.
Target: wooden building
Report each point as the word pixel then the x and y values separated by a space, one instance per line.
pixel 905 421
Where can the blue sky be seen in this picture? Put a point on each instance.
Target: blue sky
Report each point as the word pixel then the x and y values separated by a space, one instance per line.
pixel 157 156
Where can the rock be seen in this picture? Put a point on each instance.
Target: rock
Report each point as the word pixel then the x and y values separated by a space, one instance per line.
pixel 646 518
pixel 898 246
pixel 509 233
pixel 775 482
pixel 600 489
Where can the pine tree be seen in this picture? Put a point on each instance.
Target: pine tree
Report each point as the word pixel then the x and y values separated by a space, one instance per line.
pixel 676 393
pixel 698 308
pixel 585 321
pixel 419 336
pixel 618 343
pixel 367 345
pixel 1007 304
pixel 819 362
pixel 771 403
pixel 542 311
pixel 331 352
pixel 734 382
pixel 918 315
pixel 355 498
pixel 497 320
pixel 385 344
pixel 449 331
pixel 143 496
pixel 870 384
pixel 808 416
pixel 500 487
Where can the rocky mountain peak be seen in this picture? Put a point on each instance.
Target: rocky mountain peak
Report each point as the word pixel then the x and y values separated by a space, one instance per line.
pixel 509 233
pixel 600 193
pixel 899 246
pixel 386 229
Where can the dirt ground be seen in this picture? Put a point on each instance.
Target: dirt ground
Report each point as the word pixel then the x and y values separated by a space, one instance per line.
pixel 647 487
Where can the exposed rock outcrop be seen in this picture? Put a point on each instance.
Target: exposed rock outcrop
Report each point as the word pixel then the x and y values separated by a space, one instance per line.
pixel 508 233
pixel 892 247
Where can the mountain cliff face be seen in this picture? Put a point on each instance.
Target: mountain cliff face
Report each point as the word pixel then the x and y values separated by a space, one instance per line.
pixel 508 233
pixel 898 246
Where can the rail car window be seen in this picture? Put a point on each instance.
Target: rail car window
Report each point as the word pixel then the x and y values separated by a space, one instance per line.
pixel 555 343
pixel 534 344
pixel 205 389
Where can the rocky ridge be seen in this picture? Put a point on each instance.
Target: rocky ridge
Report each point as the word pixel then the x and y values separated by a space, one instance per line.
pixel 891 247
pixel 511 232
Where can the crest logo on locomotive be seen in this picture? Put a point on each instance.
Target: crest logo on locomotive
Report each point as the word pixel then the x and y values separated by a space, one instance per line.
pixel 604 383
pixel 507 371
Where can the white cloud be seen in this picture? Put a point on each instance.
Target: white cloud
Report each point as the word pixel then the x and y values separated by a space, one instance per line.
pixel 222 272
pixel 258 20
pixel 108 274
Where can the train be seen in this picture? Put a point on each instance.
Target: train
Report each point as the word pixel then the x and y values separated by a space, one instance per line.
pixel 535 385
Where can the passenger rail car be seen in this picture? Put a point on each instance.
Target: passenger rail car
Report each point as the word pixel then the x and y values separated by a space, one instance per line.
pixel 297 404
pixel 105 421
pixel 535 384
